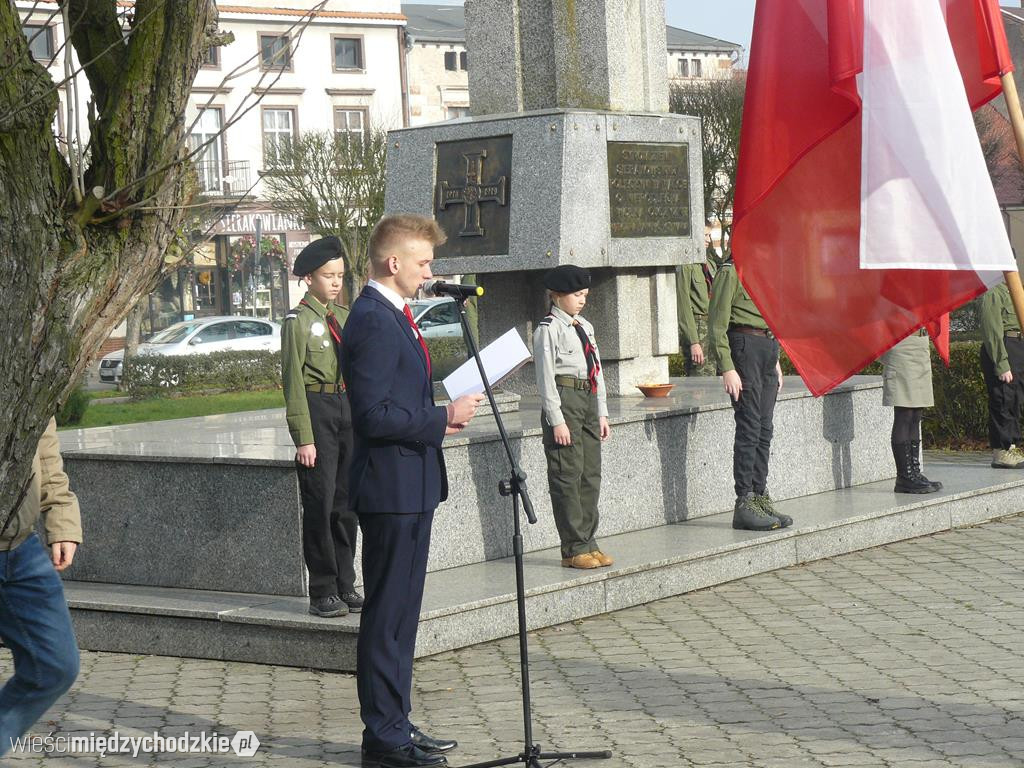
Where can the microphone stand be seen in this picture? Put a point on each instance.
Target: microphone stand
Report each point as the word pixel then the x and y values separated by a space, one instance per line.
pixel 515 487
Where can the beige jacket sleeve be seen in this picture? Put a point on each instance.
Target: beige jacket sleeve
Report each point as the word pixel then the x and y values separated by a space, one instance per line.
pixel 544 365
pixel 62 519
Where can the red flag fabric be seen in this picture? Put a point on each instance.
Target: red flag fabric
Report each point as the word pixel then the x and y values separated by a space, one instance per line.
pixel 797 229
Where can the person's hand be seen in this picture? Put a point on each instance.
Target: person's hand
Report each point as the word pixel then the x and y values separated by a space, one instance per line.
pixel 454 430
pixel 463 410
pixel 606 431
pixel 1007 377
pixel 778 372
pixel 562 435
pixel 62 553
pixel 306 455
pixel 732 384
pixel 697 354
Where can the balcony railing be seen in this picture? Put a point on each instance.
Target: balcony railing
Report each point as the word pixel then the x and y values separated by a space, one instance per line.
pixel 224 179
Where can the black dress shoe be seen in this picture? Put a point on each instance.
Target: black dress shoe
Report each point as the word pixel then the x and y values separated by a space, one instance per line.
pixel 430 744
pixel 353 600
pixel 409 756
pixel 327 607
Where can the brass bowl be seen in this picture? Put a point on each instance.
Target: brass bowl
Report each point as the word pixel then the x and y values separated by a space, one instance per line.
pixel 655 390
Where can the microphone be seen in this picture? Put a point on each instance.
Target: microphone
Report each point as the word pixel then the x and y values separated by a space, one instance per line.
pixel 455 290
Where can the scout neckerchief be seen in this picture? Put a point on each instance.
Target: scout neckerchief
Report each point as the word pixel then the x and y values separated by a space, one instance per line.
pixel 593 366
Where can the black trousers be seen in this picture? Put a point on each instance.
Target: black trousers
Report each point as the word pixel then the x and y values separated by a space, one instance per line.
pixel 395 549
pixel 328 524
pixel 755 358
pixel 1004 400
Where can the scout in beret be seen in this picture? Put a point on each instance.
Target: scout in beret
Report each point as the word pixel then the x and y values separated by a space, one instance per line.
pixel 320 423
pixel 574 414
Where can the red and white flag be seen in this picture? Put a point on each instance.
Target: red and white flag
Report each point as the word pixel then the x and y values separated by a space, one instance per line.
pixel 864 209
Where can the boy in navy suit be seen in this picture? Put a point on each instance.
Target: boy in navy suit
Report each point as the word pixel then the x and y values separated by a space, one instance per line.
pixel 398 479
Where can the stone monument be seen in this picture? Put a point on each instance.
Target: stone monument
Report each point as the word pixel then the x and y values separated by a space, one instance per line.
pixel 570 156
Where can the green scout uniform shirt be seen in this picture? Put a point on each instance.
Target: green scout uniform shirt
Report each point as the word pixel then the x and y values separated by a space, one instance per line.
pixel 307 357
pixel 998 318
pixel 558 351
pixel 730 305
pixel 691 300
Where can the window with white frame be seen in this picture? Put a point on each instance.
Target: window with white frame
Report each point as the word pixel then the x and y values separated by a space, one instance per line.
pixel 349 121
pixel 278 134
pixel 695 70
pixel 684 67
pixel 454 113
pixel 206 141
pixel 451 61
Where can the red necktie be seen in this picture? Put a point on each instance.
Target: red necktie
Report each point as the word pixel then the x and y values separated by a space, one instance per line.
pixel 423 343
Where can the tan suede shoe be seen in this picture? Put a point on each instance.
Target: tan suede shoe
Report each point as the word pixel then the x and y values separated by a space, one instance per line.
pixel 601 557
pixel 586 560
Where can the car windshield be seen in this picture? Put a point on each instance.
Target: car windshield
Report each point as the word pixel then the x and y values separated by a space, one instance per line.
pixel 174 334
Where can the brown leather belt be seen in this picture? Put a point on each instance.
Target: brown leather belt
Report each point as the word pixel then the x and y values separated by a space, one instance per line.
pixel 752 331
pixel 327 389
pixel 571 382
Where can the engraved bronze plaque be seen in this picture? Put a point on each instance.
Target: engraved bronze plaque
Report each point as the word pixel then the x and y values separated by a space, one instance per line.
pixel 471 195
pixel 649 189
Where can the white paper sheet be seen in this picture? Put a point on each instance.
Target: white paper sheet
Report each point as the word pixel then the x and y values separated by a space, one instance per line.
pixel 500 358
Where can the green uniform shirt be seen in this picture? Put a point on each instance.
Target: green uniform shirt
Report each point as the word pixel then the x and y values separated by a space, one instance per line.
pixel 998 318
pixel 730 305
pixel 307 357
pixel 557 351
pixel 691 300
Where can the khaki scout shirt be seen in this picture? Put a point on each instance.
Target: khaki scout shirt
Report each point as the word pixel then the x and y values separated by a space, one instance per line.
pixel 730 305
pixel 558 351
pixel 49 495
pixel 307 357
pixel 691 300
pixel 998 318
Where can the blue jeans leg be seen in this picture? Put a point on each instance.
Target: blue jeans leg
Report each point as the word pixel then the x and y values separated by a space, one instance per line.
pixel 36 625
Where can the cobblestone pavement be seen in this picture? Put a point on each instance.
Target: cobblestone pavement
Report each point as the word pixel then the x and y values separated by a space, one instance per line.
pixel 911 655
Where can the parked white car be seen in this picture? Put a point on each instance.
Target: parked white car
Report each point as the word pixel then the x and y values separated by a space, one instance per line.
pixel 200 337
pixel 436 318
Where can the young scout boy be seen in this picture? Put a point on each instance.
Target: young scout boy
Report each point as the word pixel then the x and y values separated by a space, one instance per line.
pixel 1002 364
pixel 747 355
pixel 692 284
pixel 320 423
pixel 574 414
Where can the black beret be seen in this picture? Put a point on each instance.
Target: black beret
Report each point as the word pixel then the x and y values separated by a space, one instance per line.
pixel 316 254
pixel 567 278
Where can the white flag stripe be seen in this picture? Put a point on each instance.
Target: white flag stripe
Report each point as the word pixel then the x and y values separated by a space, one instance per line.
pixel 927 200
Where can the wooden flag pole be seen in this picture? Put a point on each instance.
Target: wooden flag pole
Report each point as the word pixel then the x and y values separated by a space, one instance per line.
pixel 1017 121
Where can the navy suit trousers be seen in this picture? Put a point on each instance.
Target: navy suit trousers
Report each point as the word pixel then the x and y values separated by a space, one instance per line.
pixel 395 549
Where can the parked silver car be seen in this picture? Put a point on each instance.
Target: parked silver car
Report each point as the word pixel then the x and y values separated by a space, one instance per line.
pixel 436 317
pixel 200 337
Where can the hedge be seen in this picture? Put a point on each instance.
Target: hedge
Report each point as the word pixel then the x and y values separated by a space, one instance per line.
pixel 73 409
pixel 236 371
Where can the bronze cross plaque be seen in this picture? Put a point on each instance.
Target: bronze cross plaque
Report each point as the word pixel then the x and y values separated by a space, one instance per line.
pixel 471 198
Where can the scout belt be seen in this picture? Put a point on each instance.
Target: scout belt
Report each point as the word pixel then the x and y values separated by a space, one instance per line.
pixel 752 331
pixel 327 389
pixel 571 382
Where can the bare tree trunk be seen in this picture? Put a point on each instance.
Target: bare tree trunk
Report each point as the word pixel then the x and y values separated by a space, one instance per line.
pixel 133 335
pixel 69 273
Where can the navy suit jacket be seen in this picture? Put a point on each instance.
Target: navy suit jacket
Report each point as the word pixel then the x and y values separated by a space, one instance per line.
pixel 397 464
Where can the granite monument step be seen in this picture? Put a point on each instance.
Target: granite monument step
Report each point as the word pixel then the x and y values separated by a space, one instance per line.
pixel 475 603
pixel 214 502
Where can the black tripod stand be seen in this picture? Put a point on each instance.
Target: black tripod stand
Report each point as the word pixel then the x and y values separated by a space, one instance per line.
pixel 515 487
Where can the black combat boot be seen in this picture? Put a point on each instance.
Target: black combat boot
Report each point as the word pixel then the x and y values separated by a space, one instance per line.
pixel 748 515
pixel 916 452
pixel 908 478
